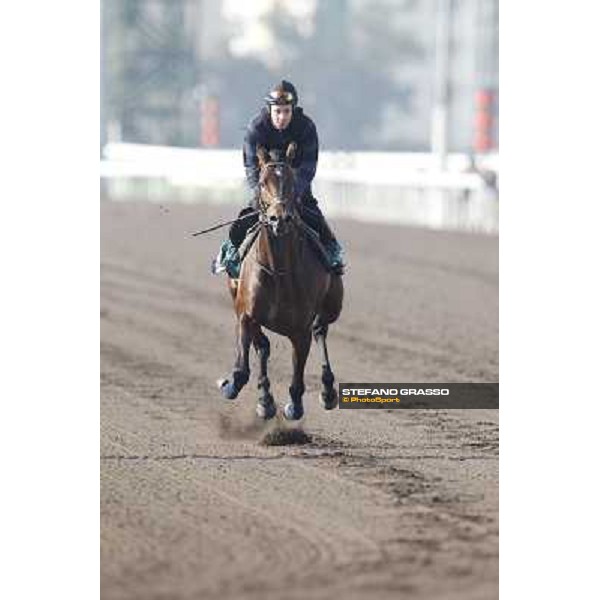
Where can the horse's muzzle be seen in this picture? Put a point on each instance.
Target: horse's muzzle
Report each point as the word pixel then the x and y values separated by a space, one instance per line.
pixel 280 224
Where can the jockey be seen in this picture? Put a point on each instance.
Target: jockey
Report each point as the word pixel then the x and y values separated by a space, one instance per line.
pixel 278 124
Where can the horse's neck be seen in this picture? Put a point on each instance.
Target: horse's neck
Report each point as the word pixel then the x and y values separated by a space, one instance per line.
pixel 281 255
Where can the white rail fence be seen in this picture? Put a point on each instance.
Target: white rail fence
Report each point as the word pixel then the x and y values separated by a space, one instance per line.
pixel 389 187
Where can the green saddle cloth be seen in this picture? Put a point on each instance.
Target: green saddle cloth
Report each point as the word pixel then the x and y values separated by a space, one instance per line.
pixel 229 261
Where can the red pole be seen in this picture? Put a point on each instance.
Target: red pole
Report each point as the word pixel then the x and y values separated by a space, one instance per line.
pixel 209 121
pixel 484 121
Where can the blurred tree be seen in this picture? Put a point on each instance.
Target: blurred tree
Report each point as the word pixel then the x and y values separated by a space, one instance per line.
pixel 240 86
pixel 367 63
pixel 149 70
pixel 382 34
pixel 346 67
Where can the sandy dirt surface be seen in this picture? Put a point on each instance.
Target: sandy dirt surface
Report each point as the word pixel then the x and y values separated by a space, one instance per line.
pixel 377 504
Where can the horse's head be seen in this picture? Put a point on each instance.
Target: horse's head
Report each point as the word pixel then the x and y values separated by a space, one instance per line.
pixel 277 189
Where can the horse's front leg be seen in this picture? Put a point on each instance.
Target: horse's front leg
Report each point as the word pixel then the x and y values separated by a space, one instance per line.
pixel 294 410
pixel 265 408
pixel 328 395
pixel 231 386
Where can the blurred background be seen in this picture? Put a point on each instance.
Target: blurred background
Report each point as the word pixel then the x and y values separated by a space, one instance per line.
pixel 404 94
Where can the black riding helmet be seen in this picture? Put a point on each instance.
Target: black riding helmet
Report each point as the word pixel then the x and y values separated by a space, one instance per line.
pixel 281 94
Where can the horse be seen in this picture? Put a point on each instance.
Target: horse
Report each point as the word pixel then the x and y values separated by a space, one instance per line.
pixel 285 287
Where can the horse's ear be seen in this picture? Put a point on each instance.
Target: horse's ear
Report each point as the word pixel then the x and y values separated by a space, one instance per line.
pixel 290 153
pixel 263 156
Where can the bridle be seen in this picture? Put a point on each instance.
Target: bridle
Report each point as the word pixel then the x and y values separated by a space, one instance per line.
pixel 277 200
pixel 266 222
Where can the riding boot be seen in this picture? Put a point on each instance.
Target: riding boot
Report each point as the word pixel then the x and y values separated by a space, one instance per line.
pixel 333 248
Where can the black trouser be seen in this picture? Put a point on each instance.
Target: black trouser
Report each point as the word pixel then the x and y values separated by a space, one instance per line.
pixel 311 214
pixel 309 211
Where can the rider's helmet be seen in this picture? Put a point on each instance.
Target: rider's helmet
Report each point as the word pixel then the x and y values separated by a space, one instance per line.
pixel 282 93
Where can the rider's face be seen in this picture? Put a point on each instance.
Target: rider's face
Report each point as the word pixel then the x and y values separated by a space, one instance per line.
pixel 281 116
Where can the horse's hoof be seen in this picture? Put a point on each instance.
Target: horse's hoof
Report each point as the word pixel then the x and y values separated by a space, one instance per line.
pixel 266 410
pixel 293 412
pixel 228 389
pixel 329 400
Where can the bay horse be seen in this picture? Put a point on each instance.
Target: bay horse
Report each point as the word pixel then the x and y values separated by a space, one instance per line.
pixel 285 287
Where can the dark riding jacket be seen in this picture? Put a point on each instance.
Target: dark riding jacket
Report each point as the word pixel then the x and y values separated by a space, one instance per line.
pixel 302 130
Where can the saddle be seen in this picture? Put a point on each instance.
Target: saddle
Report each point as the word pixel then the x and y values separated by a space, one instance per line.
pixel 230 259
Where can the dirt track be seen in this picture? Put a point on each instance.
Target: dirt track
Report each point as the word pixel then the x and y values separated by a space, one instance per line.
pixel 379 505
